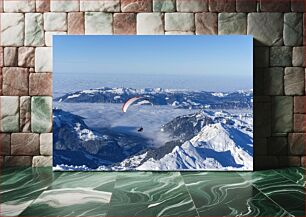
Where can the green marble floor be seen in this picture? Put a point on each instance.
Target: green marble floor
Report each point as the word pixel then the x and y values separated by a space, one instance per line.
pixel 41 192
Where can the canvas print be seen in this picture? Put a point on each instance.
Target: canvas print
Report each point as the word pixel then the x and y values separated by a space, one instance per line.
pixel 153 103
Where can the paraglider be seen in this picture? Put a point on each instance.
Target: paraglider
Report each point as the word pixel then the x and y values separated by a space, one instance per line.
pixel 138 100
pixel 141 101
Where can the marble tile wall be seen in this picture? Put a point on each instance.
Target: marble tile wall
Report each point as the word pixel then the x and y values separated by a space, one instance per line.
pixel 26 30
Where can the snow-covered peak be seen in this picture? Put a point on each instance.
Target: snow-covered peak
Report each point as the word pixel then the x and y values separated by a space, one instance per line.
pixel 247 92
pixel 213 136
pixel 84 134
pixel 221 138
pixel 219 94
pixel 223 143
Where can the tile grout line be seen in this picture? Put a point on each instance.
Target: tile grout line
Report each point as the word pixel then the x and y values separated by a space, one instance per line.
pixel 190 195
pixel 273 200
pixel 39 195
pixel 110 201
pixel 291 180
pixel 267 196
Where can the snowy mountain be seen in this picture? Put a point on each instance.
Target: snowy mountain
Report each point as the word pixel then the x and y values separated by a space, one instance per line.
pixel 220 144
pixel 159 96
pixel 76 144
pixel 202 140
pixel 187 126
pixel 213 148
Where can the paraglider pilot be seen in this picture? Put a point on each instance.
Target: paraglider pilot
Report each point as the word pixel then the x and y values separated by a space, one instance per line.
pixel 131 101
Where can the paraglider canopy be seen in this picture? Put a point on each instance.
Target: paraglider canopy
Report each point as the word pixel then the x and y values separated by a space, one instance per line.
pixel 139 99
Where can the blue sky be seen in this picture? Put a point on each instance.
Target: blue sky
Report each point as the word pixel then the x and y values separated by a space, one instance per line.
pixel 189 62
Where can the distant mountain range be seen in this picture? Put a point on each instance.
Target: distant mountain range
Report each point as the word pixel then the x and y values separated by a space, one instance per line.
pixel 202 140
pixel 158 96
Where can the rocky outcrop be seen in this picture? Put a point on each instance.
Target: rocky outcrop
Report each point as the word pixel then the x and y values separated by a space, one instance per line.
pixel 186 127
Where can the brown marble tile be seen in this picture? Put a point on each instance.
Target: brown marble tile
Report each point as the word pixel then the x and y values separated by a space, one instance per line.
pixel 17 161
pixel 40 84
pixel 1 56
pixel 303 161
pixel 25 144
pixel 297 5
pixel 289 161
pixel 246 5
pixel 272 6
pixel 42 5
pixel 5 143
pixel 15 81
pixel 10 56
pixel 1 79
pixel 299 123
pixel 26 56
pixel 299 104
pixel 206 23
pixel 136 5
pixel 124 23
pixel 222 6
pixel 76 23
pixel 1 162
pixel 1 6
pixel 25 114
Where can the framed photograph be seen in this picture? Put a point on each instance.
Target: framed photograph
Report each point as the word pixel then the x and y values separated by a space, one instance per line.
pixel 153 103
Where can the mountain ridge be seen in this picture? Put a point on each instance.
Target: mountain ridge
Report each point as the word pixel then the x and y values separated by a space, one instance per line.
pixel 218 140
pixel 240 99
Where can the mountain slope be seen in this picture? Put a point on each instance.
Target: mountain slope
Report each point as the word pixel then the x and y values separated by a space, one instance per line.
pixel 76 144
pixel 187 126
pixel 204 140
pixel 224 142
pixel 212 148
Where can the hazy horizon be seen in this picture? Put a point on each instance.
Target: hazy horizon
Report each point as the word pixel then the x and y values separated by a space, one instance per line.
pixel 210 63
